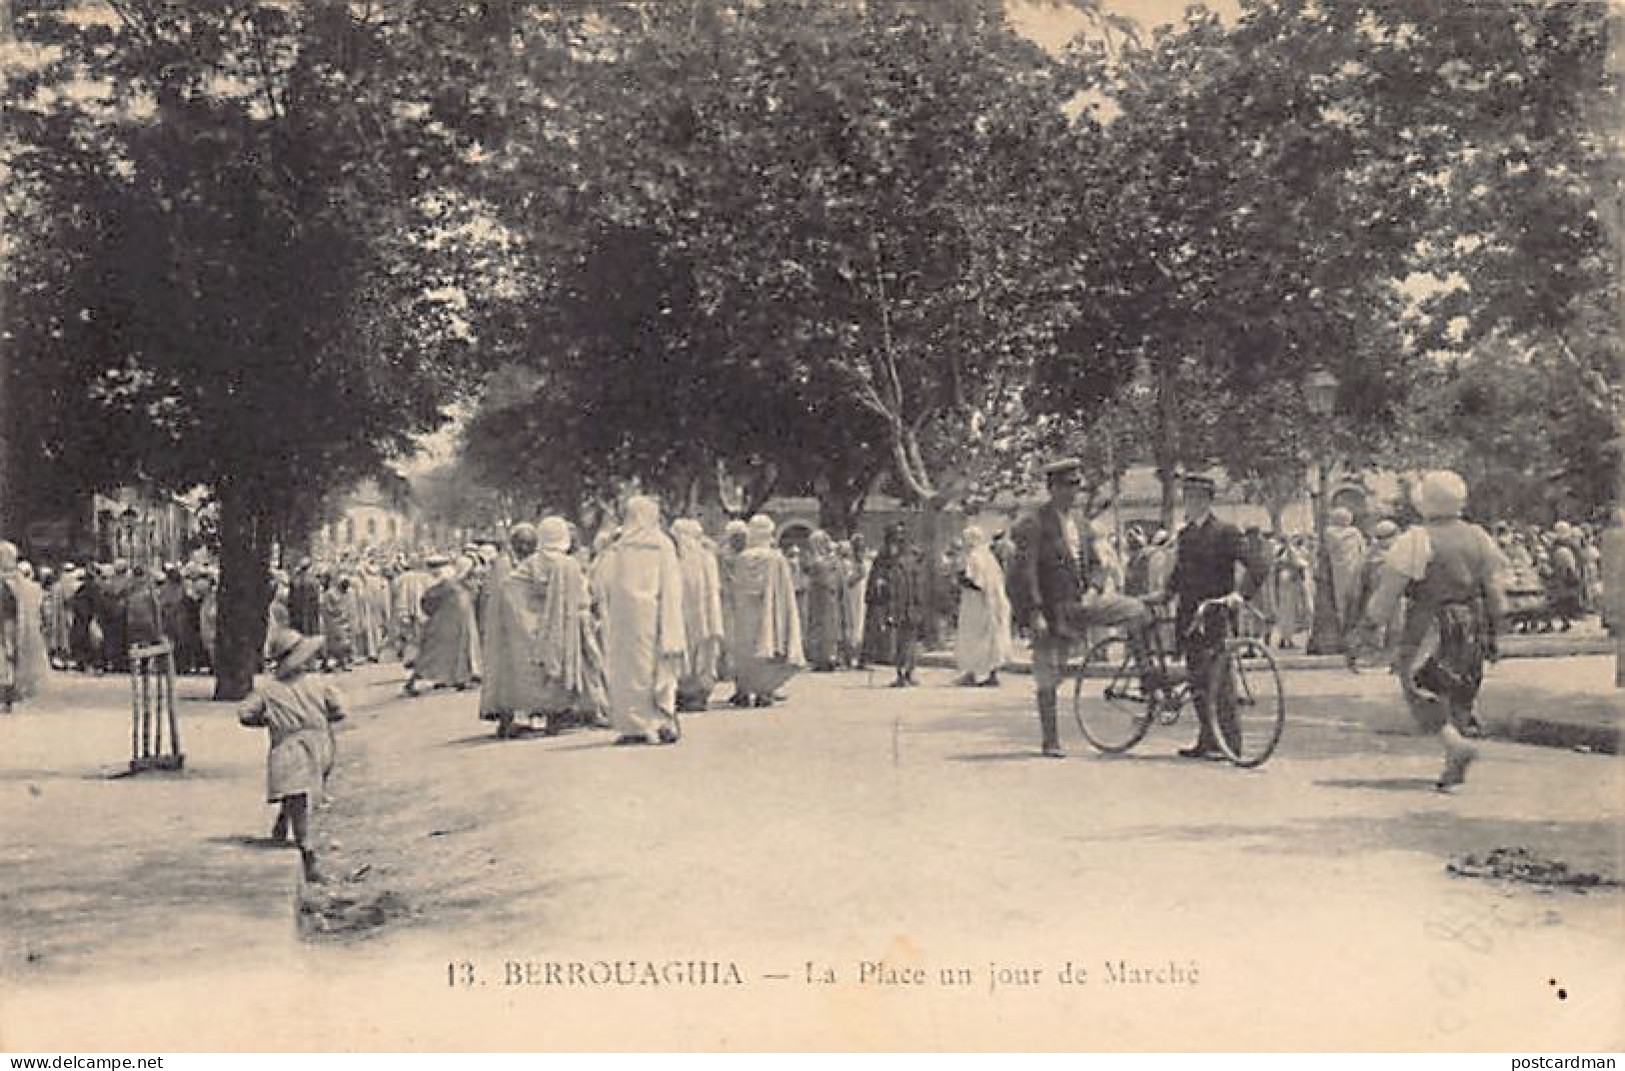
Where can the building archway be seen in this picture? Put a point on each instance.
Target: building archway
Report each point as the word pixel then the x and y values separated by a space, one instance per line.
pixel 795 534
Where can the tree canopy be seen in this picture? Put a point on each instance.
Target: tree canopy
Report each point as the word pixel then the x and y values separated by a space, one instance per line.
pixel 800 244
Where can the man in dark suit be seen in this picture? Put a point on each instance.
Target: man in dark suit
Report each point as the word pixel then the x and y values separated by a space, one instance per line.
pixel 1053 594
pixel 1205 561
pixel 305 601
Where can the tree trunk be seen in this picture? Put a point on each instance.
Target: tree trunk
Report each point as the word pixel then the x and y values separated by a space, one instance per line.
pixel 840 503
pixel 245 592
pixel 1326 632
pixel 1167 448
pixel 1165 513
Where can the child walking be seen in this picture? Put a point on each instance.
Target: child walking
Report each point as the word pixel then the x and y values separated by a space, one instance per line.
pixel 298 710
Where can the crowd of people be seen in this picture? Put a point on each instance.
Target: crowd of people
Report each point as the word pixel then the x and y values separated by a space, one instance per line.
pixel 627 631
pixel 645 621
pixel 1553 577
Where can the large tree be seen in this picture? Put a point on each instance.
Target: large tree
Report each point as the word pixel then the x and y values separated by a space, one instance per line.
pixel 1284 185
pixel 245 278
pixel 826 224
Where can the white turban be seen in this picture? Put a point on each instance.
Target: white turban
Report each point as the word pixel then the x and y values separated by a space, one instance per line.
pixel 553 535
pixel 642 519
pixel 688 531
pixel 761 530
pixel 1441 495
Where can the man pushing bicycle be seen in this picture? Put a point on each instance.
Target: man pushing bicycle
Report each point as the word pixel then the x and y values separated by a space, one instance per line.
pixel 1054 593
pixel 1205 560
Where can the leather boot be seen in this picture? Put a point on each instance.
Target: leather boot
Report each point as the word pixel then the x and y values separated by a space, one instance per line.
pixel 1047 722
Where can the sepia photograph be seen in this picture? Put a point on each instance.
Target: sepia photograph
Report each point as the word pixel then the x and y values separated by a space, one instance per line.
pixel 798 526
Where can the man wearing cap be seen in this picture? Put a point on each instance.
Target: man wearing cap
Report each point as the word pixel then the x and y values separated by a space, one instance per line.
pixel 1054 594
pixel 1205 559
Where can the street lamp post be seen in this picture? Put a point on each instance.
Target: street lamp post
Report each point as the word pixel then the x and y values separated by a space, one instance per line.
pixel 130 518
pixel 1326 633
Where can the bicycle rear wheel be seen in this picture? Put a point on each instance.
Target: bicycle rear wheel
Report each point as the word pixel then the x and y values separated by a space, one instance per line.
pixel 1112 709
pixel 1245 684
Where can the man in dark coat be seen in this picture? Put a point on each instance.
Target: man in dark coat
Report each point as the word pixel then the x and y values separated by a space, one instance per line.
pixel 84 648
pixel 1205 561
pixel 897 606
pixel 1054 594
pixel 305 601
pixel 112 591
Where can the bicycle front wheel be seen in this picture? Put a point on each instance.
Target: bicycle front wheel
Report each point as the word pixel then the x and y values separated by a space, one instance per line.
pixel 1111 707
pixel 1246 702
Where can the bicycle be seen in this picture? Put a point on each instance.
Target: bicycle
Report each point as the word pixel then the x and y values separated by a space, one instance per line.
pixel 1120 692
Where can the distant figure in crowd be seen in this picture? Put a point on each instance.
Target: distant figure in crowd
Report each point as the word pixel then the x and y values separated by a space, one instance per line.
pixel 363 629
pixel 406 597
pixel 85 635
pixel 1136 573
pixel 898 604
pixel 798 575
pixel 511 617
pixel 305 600
pixel 178 615
pixel 298 711
pixel 826 604
pixel 110 596
pixel 1565 587
pixel 1159 561
pixel 1343 552
pixel 702 615
pixel 338 623
pixel 857 607
pixel 1452 572
pixel 59 616
pixel 449 655
pixel 766 641
pixel 143 616
pixel 24 663
pixel 276 614
pixel 208 618
pixel 939 577
pixel 639 585
pixel 1387 633
pixel 375 595
pixel 982 644
pixel 568 647
pixel 734 537
pixel 1292 594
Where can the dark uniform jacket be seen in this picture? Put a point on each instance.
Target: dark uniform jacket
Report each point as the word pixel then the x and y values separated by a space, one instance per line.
pixel 1205 567
pixel 305 604
pixel 1045 576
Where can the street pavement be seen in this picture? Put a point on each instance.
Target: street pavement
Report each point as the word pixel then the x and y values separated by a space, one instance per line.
pixel 1303 905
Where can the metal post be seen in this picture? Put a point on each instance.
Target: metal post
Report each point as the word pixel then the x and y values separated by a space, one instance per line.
pixel 174 724
pixel 135 722
pixel 146 707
